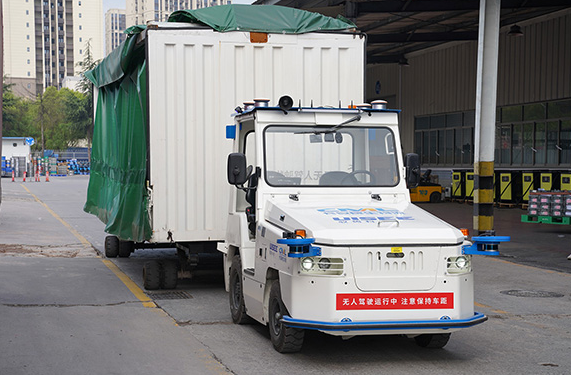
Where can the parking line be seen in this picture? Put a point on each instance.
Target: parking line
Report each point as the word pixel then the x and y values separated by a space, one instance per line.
pixel 138 292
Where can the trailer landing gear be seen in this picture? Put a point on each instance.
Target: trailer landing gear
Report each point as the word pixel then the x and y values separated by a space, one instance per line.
pixel 160 275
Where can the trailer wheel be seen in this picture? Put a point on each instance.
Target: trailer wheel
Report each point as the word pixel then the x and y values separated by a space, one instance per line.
pixel 437 340
pixel 152 275
pixel 285 339
pixel 435 197
pixel 237 305
pixel 125 249
pixel 111 246
pixel 169 275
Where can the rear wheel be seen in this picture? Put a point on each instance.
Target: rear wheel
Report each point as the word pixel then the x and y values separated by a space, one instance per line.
pixel 435 197
pixel 111 246
pixel 285 339
pixel 436 340
pixel 237 306
pixel 169 275
pixel 125 248
pixel 152 275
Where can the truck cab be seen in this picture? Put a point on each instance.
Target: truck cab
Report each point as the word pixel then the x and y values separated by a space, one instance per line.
pixel 322 234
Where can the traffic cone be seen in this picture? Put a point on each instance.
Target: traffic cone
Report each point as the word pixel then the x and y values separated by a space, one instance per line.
pixel 24 176
pixel 47 176
pixel 12 175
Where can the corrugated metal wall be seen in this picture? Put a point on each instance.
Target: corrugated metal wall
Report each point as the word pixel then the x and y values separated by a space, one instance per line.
pixel 532 68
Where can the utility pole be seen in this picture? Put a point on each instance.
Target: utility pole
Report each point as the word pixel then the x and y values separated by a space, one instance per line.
pixel 485 128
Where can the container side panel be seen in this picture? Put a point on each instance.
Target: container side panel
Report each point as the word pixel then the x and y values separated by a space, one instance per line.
pixel 196 79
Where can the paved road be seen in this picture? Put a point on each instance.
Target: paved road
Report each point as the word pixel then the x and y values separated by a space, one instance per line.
pixel 71 314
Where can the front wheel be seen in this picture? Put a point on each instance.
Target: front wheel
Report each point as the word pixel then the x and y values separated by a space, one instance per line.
pixel 111 246
pixel 237 305
pixel 436 340
pixel 285 339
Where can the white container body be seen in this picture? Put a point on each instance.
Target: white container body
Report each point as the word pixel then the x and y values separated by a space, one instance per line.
pixel 196 77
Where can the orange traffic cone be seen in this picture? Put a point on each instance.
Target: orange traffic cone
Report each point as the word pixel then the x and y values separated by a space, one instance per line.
pixel 12 175
pixel 47 176
pixel 24 176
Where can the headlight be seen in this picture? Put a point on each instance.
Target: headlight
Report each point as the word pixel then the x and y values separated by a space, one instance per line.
pixel 461 262
pixel 307 264
pixel 459 265
pixel 325 266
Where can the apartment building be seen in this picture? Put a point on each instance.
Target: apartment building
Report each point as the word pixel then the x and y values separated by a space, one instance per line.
pixel 115 26
pixel 141 11
pixel 44 40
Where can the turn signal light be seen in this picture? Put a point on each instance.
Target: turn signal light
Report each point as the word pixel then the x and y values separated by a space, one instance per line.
pixel 465 232
pixel 300 233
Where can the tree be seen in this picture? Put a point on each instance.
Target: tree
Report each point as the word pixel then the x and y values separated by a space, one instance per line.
pixel 15 113
pixel 86 87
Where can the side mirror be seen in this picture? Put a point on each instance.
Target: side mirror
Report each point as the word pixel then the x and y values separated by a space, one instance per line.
pixel 412 164
pixel 237 170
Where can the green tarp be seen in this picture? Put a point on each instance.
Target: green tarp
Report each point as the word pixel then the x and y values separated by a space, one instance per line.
pixel 117 192
pixel 261 18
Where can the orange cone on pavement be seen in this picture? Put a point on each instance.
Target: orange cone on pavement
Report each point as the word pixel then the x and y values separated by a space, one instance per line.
pixel 12 175
pixel 24 176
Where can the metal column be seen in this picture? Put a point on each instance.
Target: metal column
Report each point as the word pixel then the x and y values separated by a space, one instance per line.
pixel 486 87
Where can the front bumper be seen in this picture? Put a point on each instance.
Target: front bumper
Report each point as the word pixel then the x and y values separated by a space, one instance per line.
pixel 387 325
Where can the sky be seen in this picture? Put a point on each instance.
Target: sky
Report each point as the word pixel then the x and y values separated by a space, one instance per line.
pixel 120 4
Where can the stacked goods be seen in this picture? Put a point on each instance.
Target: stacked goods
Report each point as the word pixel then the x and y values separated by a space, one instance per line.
pixel 78 166
pixel 554 203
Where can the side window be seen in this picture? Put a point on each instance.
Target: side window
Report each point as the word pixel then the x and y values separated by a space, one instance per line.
pixel 249 149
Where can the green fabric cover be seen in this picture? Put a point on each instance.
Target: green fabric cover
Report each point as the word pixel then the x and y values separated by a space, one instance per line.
pixel 261 18
pixel 117 192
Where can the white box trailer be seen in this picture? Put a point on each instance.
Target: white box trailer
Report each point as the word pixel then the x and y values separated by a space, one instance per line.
pixel 196 78
pixel 163 102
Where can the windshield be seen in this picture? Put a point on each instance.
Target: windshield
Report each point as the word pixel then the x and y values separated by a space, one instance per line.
pixel 312 156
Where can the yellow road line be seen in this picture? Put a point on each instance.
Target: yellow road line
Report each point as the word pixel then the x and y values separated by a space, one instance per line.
pixel 82 239
pixel 138 292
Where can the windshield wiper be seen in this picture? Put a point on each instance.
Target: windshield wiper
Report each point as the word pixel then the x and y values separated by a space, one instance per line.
pixel 332 129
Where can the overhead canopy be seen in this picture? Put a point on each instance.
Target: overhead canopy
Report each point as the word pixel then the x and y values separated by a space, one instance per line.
pixel 269 19
pixel 396 28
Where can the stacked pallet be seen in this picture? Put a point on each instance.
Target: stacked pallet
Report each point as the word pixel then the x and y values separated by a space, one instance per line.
pixel 551 207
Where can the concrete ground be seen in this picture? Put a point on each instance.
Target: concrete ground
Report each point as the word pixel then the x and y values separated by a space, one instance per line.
pixel 66 310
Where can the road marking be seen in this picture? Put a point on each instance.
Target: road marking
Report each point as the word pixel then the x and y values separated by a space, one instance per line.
pixel 481 305
pixel 81 239
pixel 531 267
pixel 138 292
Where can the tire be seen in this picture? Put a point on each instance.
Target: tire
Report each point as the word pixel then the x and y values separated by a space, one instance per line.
pixel 236 295
pixel 436 341
pixel 125 248
pixel 169 275
pixel 152 275
pixel 435 197
pixel 111 246
pixel 285 339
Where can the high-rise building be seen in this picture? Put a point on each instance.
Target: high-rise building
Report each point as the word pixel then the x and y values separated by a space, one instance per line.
pixel 44 40
pixel 142 11
pixel 114 29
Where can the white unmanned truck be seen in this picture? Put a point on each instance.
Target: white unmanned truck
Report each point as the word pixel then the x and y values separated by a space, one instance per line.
pixel 322 234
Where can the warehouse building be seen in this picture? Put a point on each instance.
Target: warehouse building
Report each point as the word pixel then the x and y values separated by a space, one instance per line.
pixel 422 59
